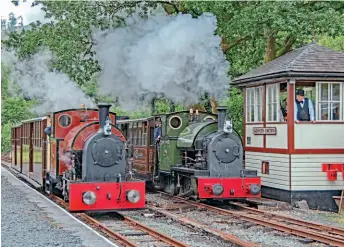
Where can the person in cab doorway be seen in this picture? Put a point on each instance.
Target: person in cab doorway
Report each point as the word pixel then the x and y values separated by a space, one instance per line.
pixel 157 137
pixel 157 133
pixel 304 110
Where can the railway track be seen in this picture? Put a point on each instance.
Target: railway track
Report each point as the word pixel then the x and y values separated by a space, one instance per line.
pixel 333 236
pixel 125 227
pixel 335 231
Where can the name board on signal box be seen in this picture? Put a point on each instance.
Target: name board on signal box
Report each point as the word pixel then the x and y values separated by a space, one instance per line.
pixel 264 131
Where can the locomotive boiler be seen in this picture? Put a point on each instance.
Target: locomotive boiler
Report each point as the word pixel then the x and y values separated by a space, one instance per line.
pixel 199 155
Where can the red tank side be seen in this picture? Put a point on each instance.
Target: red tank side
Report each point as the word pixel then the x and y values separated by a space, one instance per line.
pixel 77 117
pixel 77 137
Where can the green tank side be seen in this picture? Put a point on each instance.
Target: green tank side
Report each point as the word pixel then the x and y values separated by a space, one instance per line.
pixel 169 154
pixel 187 138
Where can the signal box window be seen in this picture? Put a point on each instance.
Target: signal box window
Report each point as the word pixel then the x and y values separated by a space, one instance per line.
pixel 329 101
pixel 272 102
pixel 254 104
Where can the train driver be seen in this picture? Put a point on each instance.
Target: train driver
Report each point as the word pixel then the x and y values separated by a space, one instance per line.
pixel 157 136
pixel 47 131
pixel 304 110
pixel 157 131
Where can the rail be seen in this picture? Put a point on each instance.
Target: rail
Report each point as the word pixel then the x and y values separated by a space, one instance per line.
pixel 316 233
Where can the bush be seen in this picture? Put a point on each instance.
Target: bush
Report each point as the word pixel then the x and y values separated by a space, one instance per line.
pixel 6 138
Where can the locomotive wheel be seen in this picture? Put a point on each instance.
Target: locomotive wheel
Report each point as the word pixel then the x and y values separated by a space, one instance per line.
pixel 168 185
pixel 186 187
pixel 53 190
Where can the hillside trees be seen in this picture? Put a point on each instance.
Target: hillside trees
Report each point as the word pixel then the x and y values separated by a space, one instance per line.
pixel 253 33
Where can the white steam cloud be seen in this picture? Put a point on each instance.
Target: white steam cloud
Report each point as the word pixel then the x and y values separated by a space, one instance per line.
pixel 53 89
pixel 175 56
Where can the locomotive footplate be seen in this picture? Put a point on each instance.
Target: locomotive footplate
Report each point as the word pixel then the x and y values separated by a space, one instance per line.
pixel 196 173
pixel 248 173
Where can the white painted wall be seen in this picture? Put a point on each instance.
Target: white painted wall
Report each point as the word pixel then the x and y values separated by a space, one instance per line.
pixel 278 176
pixel 280 140
pixel 306 172
pixel 314 136
pixel 256 140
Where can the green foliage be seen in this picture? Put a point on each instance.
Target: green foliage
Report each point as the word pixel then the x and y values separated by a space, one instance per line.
pixel 14 108
pixel 163 106
pixel 6 138
pixel 235 104
pixel 253 32
pixel 336 43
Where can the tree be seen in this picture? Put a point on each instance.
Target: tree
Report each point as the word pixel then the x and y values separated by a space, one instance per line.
pixel 14 108
pixel 255 32
pixel 336 43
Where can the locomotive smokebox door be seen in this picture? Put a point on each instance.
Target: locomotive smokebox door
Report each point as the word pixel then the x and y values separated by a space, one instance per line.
pixel 105 152
pixel 226 150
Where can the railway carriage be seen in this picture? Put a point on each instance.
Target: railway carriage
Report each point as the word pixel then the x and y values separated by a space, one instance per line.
pixel 199 155
pixel 78 154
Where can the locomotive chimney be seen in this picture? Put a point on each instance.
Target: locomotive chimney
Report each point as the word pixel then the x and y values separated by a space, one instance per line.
pixel 221 117
pixel 104 109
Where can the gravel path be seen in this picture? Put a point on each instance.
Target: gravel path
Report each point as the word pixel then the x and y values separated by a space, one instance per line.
pixel 242 229
pixel 27 219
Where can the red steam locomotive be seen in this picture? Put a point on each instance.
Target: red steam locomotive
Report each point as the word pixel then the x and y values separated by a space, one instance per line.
pixel 78 154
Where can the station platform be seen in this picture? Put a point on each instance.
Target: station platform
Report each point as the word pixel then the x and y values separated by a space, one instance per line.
pixel 30 219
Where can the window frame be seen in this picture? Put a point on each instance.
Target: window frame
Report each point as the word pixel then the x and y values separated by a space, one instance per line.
pixel 329 101
pixel 248 106
pixel 273 86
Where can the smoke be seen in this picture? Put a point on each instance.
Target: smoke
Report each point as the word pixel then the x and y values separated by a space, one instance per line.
pixel 66 158
pixel 54 90
pixel 175 56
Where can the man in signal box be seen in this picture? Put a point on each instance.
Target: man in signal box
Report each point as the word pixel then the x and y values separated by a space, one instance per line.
pixel 304 110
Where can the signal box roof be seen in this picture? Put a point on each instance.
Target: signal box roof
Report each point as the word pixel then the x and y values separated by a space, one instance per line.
pixel 311 60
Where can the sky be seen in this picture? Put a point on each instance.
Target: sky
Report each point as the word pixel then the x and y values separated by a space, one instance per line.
pixel 29 14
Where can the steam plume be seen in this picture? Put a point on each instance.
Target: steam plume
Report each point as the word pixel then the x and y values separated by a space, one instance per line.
pixel 177 56
pixel 53 89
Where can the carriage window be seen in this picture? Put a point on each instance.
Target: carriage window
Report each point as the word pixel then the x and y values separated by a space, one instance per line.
pixel 254 104
pixel 139 134
pixel 130 133
pixel 329 101
pixel 125 130
pixel 134 133
pixel 65 120
pixel 151 136
pixel 144 133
